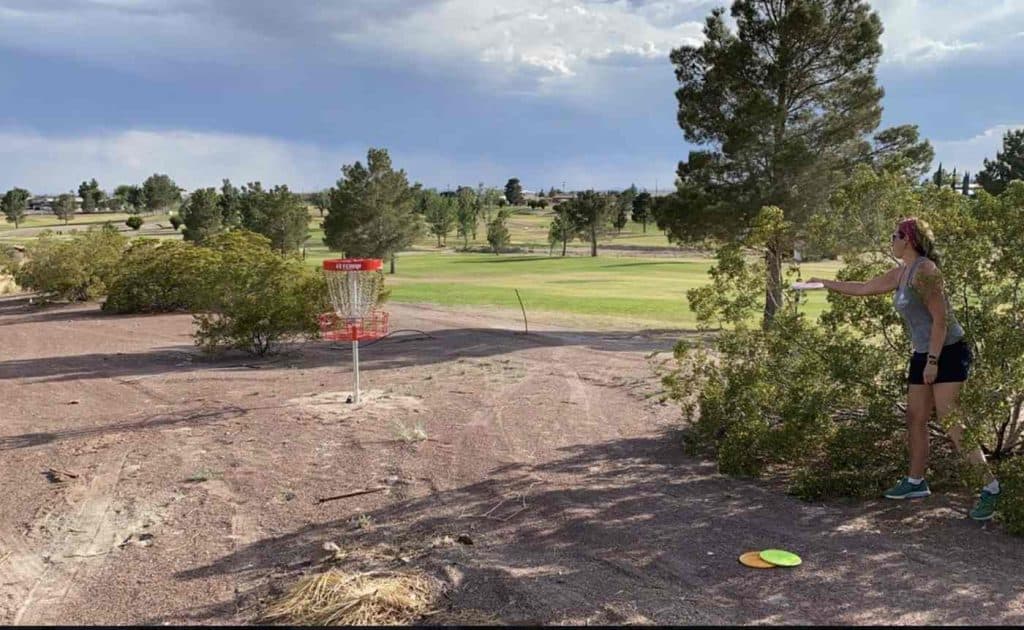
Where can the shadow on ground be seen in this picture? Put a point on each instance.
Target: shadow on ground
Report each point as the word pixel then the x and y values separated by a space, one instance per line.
pixel 148 423
pixel 404 350
pixel 634 525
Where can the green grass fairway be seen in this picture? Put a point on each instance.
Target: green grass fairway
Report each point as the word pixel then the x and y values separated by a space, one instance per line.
pixel 81 220
pixel 644 291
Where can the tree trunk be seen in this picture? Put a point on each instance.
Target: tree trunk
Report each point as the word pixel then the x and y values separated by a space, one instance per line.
pixel 645 225
pixel 593 241
pixel 773 285
pixel 565 244
pixel 392 264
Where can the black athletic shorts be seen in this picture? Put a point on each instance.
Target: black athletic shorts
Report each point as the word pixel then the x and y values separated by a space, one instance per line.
pixel 954 364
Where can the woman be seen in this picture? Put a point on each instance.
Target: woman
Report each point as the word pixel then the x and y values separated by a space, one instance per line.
pixel 941 360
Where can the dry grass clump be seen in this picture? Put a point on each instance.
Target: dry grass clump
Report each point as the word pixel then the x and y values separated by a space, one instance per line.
pixel 336 598
pixel 8 285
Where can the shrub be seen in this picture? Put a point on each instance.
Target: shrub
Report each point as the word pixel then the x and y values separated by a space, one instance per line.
pixel 134 222
pixel 253 298
pixel 792 396
pixel 242 294
pixel 7 260
pixel 176 222
pixel 1011 503
pixel 497 232
pixel 79 267
pixel 158 277
pixel 8 266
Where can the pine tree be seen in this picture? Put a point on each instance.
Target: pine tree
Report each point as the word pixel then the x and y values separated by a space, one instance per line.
pixel 373 210
pixel 776 105
pixel 201 215
pixel 1006 167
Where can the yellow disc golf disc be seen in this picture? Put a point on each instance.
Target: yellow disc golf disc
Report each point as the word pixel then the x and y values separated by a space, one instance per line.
pixel 753 560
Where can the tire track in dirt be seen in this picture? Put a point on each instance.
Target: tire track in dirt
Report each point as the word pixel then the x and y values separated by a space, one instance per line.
pixel 19 566
pixel 504 401
pixel 245 531
pixel 91 535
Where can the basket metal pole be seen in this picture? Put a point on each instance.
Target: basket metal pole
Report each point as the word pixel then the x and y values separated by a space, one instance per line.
pixel 355 370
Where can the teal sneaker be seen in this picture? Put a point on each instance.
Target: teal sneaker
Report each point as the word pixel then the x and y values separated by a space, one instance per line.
pixel 906 490
pixel 986 507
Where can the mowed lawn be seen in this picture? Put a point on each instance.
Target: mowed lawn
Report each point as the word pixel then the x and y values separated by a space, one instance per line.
pixel 79 220
pixel 640 290
pixel 34 223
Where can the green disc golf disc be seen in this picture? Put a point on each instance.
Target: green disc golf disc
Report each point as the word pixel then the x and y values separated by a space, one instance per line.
pixel 780 558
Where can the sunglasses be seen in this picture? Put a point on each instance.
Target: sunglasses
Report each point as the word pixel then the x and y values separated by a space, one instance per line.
pixel 898 236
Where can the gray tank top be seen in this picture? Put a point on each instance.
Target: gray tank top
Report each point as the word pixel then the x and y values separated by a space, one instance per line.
pixel 911 306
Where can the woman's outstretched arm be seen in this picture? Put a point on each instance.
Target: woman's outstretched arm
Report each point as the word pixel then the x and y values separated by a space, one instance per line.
pixel 885 283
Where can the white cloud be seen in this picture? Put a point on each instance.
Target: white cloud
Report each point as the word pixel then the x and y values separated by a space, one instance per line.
pixel 547 43
pixel 194 159
pixel 925 32
pixel 969 154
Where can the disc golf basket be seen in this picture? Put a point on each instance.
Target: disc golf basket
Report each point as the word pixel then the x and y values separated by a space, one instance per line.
pixel 354 285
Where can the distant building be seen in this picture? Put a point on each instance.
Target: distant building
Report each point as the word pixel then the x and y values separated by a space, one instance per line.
pixel 41 204
pixel 972 189
pixel 45 203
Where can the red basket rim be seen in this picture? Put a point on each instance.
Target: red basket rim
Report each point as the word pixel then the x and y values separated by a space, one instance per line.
pixel 353 264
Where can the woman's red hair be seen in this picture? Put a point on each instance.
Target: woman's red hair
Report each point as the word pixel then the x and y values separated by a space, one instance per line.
pixel 908 228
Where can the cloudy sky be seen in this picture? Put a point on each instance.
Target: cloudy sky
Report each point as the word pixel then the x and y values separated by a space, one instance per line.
pixel 459 91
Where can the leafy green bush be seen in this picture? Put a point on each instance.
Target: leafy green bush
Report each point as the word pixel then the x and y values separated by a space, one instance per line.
pixel 79 267
pixel 1011 503
pixel 253 298
pixel 792 396
pixel 134 222
pixel 158 277
pixel 243 295
pixel 176 222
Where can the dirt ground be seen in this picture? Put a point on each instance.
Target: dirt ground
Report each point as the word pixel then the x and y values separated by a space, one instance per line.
pixel 142 483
